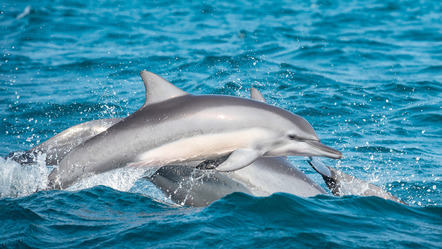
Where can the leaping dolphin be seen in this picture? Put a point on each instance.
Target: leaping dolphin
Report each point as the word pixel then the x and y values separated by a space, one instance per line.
pixel 174 126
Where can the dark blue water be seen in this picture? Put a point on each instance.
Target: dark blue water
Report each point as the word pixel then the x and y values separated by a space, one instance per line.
pixel 103 217
pixel 366 74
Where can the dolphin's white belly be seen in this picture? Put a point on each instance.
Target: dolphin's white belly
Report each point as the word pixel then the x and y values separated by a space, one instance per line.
pixel 204 146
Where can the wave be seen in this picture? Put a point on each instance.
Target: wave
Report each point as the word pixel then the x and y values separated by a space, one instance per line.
pixel 107 217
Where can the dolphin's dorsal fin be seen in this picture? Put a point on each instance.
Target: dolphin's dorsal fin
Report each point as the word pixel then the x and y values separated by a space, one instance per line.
pixel 255 94
pixel 158 89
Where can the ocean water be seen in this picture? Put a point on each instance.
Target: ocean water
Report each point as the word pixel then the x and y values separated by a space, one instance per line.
pixel 366 74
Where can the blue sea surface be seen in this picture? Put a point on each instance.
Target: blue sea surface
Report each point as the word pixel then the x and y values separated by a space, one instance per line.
pixel 366 74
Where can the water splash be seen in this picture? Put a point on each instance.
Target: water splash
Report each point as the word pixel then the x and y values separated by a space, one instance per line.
pixel 18 180
pixel 120 179
pixel 25 12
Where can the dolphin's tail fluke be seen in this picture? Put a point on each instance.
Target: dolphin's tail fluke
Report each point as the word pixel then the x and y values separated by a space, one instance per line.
pixel 341 184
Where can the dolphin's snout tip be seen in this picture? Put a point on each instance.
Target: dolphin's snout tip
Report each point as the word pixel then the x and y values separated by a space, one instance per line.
pixel 338 155
pixel 334 154
pixel 325 151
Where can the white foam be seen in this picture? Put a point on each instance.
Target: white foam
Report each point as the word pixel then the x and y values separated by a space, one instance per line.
pixel 18 180
pixel 121 179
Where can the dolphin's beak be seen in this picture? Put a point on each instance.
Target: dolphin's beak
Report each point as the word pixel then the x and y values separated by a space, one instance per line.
pixel 324 150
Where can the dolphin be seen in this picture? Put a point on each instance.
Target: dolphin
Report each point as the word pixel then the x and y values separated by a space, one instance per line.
pixel 174 126
pixel 195 187
pixel 267 175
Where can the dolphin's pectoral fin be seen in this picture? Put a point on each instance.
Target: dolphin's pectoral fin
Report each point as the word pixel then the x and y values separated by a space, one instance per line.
pixel 341 184
pixel 239 159
pixel 320 167
pixel 212 164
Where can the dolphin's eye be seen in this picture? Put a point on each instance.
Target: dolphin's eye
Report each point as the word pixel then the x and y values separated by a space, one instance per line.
pixel 293 136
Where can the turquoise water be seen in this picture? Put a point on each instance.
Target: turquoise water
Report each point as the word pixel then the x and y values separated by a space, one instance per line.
pixel 367 75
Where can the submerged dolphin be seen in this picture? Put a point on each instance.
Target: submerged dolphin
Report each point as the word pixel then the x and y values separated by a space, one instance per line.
pixel 174 126
pixel 267 175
